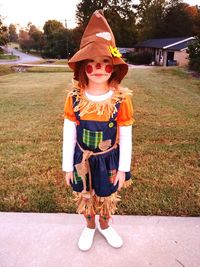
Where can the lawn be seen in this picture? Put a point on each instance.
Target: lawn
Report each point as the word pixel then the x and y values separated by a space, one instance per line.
pixel 7 57
pixel 166 162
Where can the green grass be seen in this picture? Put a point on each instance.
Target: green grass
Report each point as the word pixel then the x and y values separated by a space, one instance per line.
pixel 166 162
pixel 7 57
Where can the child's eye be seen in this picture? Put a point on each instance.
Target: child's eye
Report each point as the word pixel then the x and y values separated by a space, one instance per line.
pixel 90 60
pixel 106 61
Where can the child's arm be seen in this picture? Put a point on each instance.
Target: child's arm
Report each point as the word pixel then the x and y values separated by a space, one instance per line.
pixel 69 142
pixel 125 120
pixel 125 148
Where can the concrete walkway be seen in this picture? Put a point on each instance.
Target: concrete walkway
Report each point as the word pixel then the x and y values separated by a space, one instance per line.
pixel 50 240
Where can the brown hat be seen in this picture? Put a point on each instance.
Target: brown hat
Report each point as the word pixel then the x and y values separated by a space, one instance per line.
pixel 98 40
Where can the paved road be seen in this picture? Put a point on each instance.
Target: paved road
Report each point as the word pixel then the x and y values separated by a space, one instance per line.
pixel 23 57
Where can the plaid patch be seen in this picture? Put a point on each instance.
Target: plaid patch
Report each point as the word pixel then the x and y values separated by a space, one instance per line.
pixel 92 138
pixel 112 175
pixel 76 177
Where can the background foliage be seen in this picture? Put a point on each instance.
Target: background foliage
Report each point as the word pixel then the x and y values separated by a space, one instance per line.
pixel 130 23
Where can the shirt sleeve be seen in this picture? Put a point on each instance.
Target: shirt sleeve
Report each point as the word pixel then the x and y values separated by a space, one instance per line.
pixel 125 113
pixel 69 142
pixel 68 109
pixel 125 148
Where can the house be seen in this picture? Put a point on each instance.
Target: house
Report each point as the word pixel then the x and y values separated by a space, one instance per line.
pixel 167 51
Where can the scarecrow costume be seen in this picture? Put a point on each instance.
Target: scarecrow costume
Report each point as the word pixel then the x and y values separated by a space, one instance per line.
pixel 96 149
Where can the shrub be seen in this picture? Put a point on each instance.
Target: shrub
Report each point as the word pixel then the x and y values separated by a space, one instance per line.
pixel 194 55
pixel 139 58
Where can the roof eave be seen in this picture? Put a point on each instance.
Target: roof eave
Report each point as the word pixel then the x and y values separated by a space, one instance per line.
pixel 187 39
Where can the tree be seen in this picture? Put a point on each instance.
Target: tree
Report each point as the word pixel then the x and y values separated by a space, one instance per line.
pixel 3 33
pixel 36 36
pixel 85 9
pixel 151 15
pixel 177 22
pixel 194 55
pixel 74 40
pixel 25 40
pixel 197 22
pixel 51 26
pixel 12 33
pixel 122 20
pixel 57 41
pixel 165 19
pixel 194 13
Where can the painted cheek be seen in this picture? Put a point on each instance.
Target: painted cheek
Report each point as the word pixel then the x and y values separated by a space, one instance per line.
pixel 89 69
pixel 108 68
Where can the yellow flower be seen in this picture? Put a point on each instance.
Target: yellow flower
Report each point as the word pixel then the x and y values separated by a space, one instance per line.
pixel 115 52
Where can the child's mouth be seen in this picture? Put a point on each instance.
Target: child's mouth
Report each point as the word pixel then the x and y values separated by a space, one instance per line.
pixel 98 75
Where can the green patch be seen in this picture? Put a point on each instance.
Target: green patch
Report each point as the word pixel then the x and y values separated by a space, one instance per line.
pixel 76 177
pixel 112 175
pixel 92 138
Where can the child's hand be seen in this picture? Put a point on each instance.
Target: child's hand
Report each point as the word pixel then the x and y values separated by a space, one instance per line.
pixel 121 178
pixel 68 177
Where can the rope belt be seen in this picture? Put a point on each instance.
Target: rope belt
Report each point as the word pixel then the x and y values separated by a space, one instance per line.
pixel 84 167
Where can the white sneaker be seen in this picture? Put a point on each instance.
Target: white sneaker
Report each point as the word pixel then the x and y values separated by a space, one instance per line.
pixel 111 236
pixel 86 239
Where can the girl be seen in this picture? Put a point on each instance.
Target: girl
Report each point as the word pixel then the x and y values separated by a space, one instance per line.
pixel 97 131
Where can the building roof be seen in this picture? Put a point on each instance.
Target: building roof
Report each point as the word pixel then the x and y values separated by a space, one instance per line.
pixel 181 46
pixel 166 43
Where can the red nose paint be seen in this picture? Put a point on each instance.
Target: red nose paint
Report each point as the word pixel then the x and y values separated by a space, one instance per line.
pixel 98 66
pixel 108 68
pixel 89 69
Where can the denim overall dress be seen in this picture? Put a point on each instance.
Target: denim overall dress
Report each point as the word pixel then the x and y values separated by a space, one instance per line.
pixel 99 137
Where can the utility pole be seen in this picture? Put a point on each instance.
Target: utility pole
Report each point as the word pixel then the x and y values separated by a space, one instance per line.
pixel 65 25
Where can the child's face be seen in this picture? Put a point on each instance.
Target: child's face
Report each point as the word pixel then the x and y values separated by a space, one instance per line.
pixel 99 69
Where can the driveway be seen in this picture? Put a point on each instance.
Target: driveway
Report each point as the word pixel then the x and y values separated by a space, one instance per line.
pixel 131 66
pixel 23 57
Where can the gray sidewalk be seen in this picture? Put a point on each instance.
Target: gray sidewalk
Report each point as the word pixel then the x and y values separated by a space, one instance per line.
pixel 50 240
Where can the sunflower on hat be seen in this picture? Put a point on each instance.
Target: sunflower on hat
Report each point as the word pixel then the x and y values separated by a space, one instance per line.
pixel 115 51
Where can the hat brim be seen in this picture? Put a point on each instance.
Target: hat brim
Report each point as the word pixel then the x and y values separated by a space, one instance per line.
pixel 96 51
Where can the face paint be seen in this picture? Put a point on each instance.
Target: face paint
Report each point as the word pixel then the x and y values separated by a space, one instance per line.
pixel 108 68
pixel 89 69
pixel 99 69
pixel 98 66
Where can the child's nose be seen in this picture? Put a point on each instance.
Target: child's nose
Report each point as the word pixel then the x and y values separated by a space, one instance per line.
pixel 98 66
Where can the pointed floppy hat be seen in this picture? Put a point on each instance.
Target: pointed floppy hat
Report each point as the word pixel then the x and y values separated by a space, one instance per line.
pixel 98 40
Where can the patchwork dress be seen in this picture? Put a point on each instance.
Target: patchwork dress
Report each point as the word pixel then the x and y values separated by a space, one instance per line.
pixel 96 156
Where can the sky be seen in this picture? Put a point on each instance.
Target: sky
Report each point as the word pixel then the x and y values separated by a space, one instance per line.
pixel 38 11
